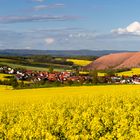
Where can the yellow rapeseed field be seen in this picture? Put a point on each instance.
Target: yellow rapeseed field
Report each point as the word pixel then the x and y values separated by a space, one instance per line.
pixel 2 76
pixel 134 71
pixel 73 113
pixel 99 73
pixel 79 62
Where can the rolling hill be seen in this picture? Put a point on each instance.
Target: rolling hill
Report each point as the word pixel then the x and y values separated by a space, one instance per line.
pixel 116 61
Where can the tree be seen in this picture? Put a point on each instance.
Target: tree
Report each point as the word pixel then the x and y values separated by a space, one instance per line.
pixel 110 72
pixel 76 70
pixel 94 75
pixel 51 69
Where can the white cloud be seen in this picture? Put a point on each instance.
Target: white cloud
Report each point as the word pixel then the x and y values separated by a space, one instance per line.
pixel 133 29
pixel 51 6
pixel 28 48
pixel 83 34
pixel 38 0
pixel 49 41
pixel 18 19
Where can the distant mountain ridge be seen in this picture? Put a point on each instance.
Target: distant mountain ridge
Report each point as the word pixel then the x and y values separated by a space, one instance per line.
pixel 116 61
pixel 25 52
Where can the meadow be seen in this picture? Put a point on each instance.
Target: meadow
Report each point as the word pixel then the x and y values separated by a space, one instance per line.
pixel 30 63
pixel 28 67
pixel 73 113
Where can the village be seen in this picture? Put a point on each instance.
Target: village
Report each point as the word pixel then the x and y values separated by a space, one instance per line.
pixel 65 76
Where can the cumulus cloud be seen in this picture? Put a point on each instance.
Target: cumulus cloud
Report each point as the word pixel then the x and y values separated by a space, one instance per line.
pixel 44 7
pixel 18 19
pixel 132 29
pixel 49 41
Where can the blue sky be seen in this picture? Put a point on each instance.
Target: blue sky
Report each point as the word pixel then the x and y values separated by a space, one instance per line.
pixel 70 24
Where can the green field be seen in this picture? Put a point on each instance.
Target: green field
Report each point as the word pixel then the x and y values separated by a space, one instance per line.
pixel 28 67
pixel 30 64
pixel 97 112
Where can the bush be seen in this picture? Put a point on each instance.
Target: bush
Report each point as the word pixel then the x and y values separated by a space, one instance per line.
pixel 14 83
pixel 110 72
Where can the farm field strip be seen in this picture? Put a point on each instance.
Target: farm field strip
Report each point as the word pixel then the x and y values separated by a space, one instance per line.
pixel 79 62
pixel 2 76
pixel 27 67
pixel 134 71
pixel 6 60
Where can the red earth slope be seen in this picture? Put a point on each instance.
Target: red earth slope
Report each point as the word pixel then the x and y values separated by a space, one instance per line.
pixel 116 61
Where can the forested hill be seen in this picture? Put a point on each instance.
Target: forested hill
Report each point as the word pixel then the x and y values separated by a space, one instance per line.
pixel 57 52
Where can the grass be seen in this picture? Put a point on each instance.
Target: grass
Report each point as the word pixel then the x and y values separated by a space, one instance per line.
pixel 97 112
pixel 6 60
pixel 27 67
